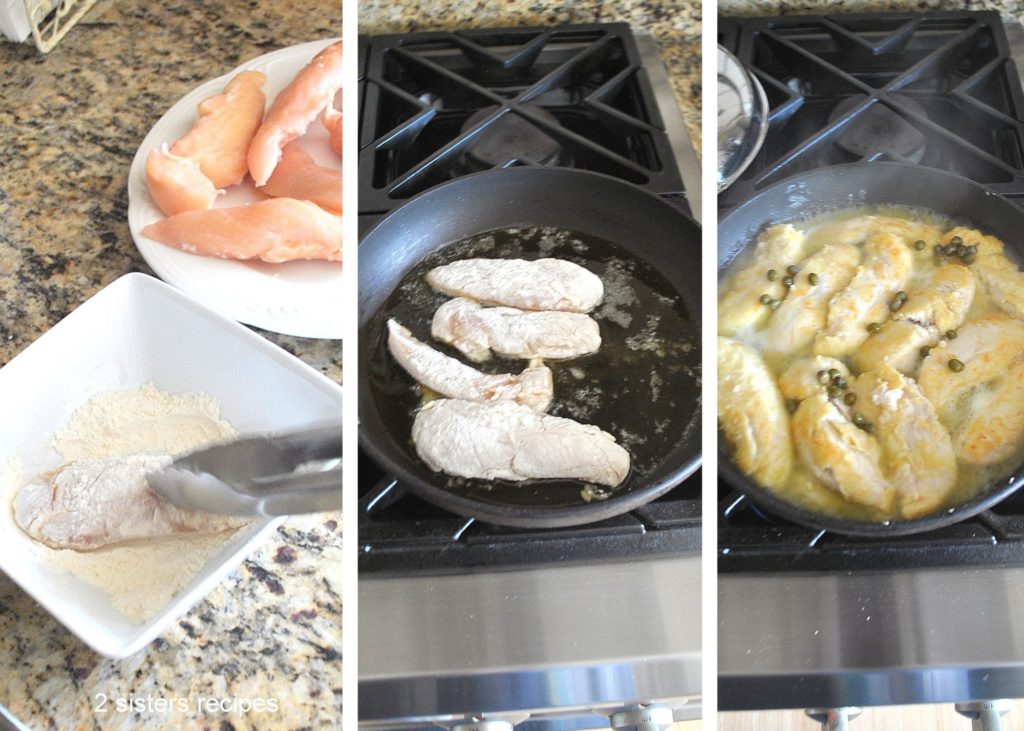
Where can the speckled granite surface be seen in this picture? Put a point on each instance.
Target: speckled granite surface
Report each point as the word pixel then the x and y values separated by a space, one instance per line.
pixel 775 7
pixel 70 123
pixel 675 23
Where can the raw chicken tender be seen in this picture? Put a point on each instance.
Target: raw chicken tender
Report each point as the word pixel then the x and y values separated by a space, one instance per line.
pixel 93 503
pixel 274 230
pixel 298 176
pixel 917 452
pixel 476 330
pixel 887 266
pixel 739 305
pixel 982 405
pixel 541 284
pixel 177 184
pixel 293 110
pixel 803 313
pixel 332 123
pixel 505 440
pixel 753 415
pixel 534 387
pixel 219 140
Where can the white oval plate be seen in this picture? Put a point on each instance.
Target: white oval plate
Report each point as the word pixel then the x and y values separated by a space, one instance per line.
pixel 301 298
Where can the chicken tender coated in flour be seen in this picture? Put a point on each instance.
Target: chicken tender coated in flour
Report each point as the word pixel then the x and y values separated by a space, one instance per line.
pixel 800 380
pixel 1000 276
pixel 504 440
pixel 540 284
pixel 803 313
pixel 859 229
pixel 94 503
pixel 887 266
pixel 982 404
pixel 928 313
pixel 739 305
pixel 534 387
pixel 840 455
pixel 477 330
pixel 753 415
pixel 918 456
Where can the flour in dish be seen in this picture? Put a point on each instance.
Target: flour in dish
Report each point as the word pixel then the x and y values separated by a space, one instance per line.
pixel 141 574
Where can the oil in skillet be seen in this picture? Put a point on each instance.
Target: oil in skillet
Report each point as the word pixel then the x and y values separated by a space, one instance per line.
pixel 642 386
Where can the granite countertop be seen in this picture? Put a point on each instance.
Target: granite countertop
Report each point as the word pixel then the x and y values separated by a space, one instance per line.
pixel 675 24
pixel 805 7
pixel 70 123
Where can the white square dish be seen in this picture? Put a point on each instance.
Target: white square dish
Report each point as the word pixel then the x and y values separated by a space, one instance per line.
pixel 139 330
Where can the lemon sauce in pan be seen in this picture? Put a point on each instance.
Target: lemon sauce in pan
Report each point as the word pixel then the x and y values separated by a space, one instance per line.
pixel 914 225
pixel 642 386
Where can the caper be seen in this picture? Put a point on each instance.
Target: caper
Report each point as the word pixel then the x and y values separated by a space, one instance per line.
pixel 840 383
pixel 812 278
pixel 791 405
pixel 919 245
pixel 850 398
pixel 858 419
pixel 823 377
pixel 972 249
pixel 925 350
pixel 968 258
pixel 956 240
pixel 766 299
pixel 788 281
pixel 955 365
pixel 960 250
pixel 939 249
pixel 869 428
pixel 793 270
pixel 897 302
pixel 833 372
pixel 874 327
pixel 772 275
pixel 951 335
pixel 775 304
pixel 834 391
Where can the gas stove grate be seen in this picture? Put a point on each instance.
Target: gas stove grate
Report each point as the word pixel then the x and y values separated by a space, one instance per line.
pixel 939 89
pixel 400 533
pixel 444 104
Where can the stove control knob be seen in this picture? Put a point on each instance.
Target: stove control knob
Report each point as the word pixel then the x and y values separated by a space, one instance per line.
pixel 834 719
pixel 484 725
pixel 643 718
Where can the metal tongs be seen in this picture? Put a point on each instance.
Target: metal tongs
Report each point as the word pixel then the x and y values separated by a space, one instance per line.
pixel 283 474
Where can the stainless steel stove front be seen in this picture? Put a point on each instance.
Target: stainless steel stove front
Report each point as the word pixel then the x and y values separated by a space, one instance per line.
pixel 553 647
pixel 553 639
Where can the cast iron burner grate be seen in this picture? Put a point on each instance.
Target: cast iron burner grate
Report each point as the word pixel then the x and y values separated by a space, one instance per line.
pixel 400 533
pixel 938 89
pixel 444 104
pixel 945 92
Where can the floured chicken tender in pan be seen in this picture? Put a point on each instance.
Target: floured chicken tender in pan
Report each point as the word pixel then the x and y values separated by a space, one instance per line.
pixel 874 364
pixel 100 502
pixel 512 442
pixel 540 284
pixel 477 330
pixel 534 387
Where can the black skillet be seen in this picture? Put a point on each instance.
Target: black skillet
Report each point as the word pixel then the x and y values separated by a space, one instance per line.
pixel 621 214
pixel 850 186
